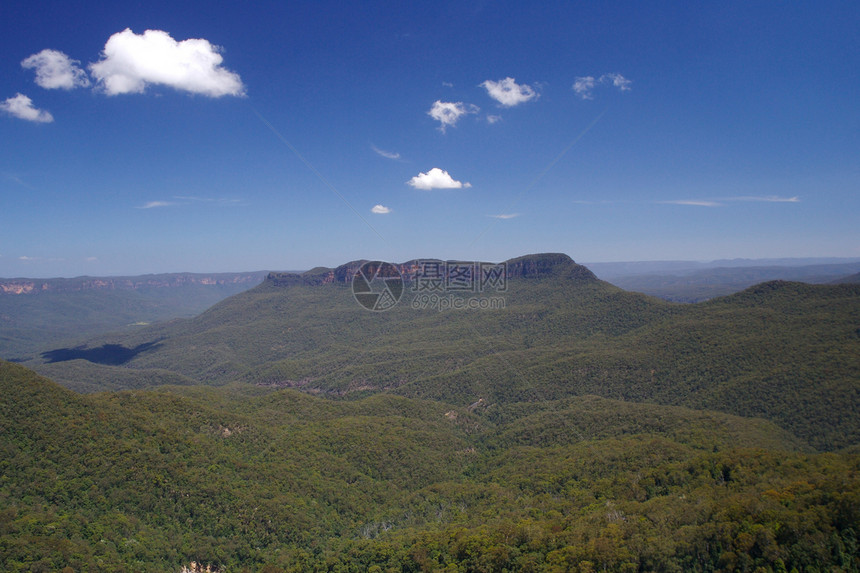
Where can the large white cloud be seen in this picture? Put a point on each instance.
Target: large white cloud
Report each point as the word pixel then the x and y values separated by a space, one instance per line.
pixel 508 93
pixel 436 179
pixel 449 113
pixel 56 70
pixel 132 61
pixel 21 107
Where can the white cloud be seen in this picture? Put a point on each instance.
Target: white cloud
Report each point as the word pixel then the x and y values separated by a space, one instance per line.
pixel 767 199
pixel 436 179
pixel 21 107
pixel 380 210
pixel 583 86
pixel 505 216
pixel 491 119
pixel 131 61
pixel 55 70
pixel 721 201
pixel 449 113
pixel 508 93
pixel 386 154
pixel 617 80
pixel 154 204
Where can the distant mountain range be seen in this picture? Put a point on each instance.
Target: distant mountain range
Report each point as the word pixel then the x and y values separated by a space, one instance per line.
pixel 36 314
pixel 685 281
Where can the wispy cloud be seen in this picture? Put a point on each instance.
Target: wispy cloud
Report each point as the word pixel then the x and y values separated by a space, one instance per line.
pixel 508 93
pixel 491 119
pixel 386 154
pixel 505 216
pixel 56 70
pixel 722 201
pixel 16 179
pixel 766 199
pixel 617 80
pixel 132 61
pixel 436 179
pixel 155 204
pixel 380 210
pixel 584 85
pixel 449 113
pixel 21 107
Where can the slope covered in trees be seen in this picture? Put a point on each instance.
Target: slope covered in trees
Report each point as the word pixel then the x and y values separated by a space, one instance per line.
pixel 788 352
pixel 245 478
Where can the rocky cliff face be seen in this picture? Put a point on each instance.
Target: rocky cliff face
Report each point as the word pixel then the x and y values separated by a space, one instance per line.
pixel 527 267
pixel 34 286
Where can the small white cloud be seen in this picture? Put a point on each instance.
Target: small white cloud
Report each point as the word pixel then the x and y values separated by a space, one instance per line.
pixel 21 107
pixel 55 70
pixel 26 258
pixel 448 84
pixel 92 259
pixel 386 154
pixel 583 86
pixel 131 61
pixel 617 80
pixel 436 179
pixel 380 210
pixel 155 204
pixel 505 216
pixel 449 113
pixel 491 119
pixel 508 93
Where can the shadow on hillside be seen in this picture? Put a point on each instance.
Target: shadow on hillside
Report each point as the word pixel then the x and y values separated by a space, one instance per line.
pixel 109 354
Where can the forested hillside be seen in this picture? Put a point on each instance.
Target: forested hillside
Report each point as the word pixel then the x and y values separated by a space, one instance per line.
pixel 249 479
pixel 788 352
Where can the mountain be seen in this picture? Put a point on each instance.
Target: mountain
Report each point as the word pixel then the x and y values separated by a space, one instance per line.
pixel 694 284
pixel 787 352
pixel 850 279
pixel 37 313
pixel 243 478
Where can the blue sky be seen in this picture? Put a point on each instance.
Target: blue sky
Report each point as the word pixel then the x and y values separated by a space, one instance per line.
pixel 241 136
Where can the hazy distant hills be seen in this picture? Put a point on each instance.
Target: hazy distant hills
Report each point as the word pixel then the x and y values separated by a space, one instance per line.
pixel 685 281
pixel 788 352
pixel 35 313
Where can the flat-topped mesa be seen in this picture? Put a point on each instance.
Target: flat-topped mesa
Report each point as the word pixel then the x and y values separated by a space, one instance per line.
pixel 547 265
pixel 538 266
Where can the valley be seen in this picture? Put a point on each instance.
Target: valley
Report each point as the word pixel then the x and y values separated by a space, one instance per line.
pixel 581 427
